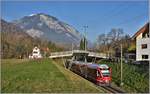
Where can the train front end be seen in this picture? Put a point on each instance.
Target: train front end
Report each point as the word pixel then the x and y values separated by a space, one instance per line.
pixel 103 75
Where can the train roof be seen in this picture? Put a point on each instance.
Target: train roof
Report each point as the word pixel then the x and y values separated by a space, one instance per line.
pixel 93 66
pixel 103 66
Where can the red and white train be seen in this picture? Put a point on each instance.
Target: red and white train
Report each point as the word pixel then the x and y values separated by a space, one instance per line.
pixel 97 73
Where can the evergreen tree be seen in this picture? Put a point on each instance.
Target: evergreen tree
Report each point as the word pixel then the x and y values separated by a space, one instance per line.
pixel 81 44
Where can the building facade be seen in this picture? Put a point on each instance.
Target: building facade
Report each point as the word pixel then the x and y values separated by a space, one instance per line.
pixel 143 44
pixel 35 53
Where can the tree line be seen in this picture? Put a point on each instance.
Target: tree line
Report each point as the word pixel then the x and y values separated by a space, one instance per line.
pixel 14 47
pixel 110 43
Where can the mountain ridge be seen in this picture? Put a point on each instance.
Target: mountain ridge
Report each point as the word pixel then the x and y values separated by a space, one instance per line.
pixel 46 26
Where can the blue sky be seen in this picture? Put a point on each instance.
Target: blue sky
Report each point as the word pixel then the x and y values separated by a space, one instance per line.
pixel 99 16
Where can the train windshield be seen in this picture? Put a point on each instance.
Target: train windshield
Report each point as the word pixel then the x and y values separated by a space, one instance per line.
pixel 105 73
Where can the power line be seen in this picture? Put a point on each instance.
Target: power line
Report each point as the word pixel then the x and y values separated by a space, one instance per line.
pixel 131 19
pixel 106 15
pixel 115 13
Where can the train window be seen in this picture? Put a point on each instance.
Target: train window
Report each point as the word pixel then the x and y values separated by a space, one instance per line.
pixel 98 74
pixel 105 73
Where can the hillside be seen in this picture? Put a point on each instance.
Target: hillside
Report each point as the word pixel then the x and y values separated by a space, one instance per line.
pixel 18 44
pixel 44 76
pixel 14 40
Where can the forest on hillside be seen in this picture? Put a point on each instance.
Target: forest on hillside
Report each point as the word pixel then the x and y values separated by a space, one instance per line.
pixel 17 44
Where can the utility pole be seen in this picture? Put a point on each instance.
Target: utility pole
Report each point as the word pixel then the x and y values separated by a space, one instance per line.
pixel 72 46
pixel 85 27
pixel 121 66
pixel 85 45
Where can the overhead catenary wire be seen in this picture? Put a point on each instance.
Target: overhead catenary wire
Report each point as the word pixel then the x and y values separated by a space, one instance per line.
pixel 107 14
pixel 116 12
pixel 131 19
pixel 119 11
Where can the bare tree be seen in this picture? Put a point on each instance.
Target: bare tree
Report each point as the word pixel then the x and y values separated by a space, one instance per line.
pixel 115 36
pixel 108 43
pixel 101 39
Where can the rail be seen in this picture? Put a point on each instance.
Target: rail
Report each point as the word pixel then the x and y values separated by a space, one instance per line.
pixel 110 89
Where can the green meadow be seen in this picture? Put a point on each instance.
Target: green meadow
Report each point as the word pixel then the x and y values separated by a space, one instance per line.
pixel 23 75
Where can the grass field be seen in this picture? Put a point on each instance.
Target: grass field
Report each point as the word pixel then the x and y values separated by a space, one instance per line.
pixel 41 76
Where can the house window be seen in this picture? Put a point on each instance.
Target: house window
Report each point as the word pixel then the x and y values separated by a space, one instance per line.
pixel 144 46
pixel 145 35
pixel 144 56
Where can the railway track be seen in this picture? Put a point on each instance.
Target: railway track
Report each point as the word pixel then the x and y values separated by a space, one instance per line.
pixel 110 89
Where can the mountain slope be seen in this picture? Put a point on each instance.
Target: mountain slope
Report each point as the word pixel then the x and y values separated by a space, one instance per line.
pixel 16 43
pixel 48 27
pixel 13 32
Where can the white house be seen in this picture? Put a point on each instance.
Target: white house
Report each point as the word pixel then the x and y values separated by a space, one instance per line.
pixel 35 53
pixel 143 43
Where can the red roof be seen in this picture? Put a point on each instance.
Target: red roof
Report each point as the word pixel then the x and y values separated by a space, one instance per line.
pixel 145 28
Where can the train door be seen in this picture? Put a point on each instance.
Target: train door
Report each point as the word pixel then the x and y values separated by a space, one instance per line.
pixel 99 77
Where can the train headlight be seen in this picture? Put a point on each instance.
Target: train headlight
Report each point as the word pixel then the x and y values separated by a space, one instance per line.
pixel 106 81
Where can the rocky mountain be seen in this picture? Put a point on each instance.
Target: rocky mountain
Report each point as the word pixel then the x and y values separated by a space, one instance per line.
pixel 48 27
